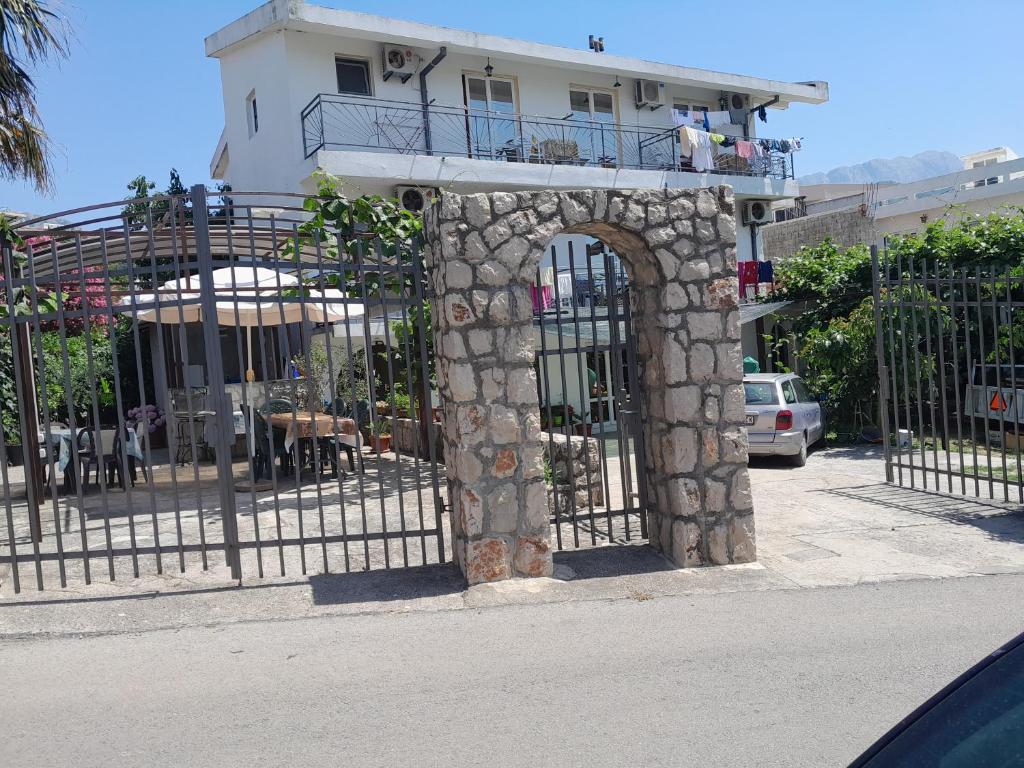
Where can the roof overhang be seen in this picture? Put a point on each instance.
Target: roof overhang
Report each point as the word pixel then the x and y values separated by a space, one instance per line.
pixel 751 312
pixel 296 15
pixel 219 163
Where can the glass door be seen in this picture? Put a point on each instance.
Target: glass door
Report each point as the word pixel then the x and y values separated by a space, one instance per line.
pixel 598 138
pixel 491 134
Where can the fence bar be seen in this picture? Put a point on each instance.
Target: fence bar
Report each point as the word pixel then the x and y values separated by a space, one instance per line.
pixel 883 375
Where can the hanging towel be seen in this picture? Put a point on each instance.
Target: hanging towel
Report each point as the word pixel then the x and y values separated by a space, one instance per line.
pixel 707 121
pixel 765 272
pixel 698 147
pixel 745 149
pixel 717 138
pixel 685 142
pixel 748 271
pixel 719 118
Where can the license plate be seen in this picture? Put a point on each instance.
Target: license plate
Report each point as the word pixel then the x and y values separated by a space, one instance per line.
pixel 751 418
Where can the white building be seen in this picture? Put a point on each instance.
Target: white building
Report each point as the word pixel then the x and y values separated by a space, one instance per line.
pixel 385 103
pixel 402 108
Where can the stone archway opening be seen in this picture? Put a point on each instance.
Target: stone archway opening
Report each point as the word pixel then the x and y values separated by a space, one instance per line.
pixel 589 374
pixel 679 249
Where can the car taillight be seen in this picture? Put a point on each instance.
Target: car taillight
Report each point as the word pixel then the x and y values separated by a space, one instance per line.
pixel 783 421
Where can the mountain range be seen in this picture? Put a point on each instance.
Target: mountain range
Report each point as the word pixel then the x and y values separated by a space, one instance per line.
pixel 895 169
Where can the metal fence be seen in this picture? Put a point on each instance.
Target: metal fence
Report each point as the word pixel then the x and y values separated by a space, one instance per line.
pixel 950 349
pixel 589 379
pixel 363 123
pixel 192 383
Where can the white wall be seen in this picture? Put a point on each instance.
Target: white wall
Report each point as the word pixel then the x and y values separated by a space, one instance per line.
pixel 289 68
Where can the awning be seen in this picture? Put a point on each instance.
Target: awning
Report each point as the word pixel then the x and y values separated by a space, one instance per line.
pixel 751 312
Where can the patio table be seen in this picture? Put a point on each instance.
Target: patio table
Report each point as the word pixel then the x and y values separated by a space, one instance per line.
pixel 300 426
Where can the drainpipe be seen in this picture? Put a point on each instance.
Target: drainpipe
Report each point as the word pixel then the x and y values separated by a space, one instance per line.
pixel 442 52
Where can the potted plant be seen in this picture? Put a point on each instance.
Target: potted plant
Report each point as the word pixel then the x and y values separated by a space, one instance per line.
pixel 582 424
pixel 380 436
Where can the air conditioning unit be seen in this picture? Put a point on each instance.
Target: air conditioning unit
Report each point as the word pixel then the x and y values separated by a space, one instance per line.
pixel 736 101
pixel 415 199
pixel 757 212
pixel 399 62
pixel 650 93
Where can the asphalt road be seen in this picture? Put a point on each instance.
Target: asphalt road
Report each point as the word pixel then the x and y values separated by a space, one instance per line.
pixel 767 678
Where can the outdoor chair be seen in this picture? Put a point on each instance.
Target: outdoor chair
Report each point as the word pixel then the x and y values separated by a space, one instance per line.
pixel 270 443
pixel 361 413
pixel 109 461
pixel 326 443
pixel 141 431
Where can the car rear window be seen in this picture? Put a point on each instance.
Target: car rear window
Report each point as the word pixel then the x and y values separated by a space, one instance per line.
pixel 761 393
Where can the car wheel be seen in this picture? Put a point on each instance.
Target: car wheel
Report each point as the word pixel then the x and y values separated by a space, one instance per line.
pixel 800 458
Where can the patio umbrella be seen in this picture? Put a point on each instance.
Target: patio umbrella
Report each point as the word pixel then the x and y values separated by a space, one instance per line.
pixel 247 297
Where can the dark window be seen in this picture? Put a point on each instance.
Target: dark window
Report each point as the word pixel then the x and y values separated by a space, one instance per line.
pixel 353 76
pixel 801 391
pixel 761 393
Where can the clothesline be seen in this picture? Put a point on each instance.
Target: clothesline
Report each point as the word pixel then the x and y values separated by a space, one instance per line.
pixel 700 146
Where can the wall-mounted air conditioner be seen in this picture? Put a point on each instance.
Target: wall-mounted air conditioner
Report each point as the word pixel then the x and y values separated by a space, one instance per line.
pixel 399 62
pixel 415 199
pixel 757 212
pixel 738 105
pixel 650 93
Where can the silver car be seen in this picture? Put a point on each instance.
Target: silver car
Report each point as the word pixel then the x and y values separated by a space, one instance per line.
pixel 782 417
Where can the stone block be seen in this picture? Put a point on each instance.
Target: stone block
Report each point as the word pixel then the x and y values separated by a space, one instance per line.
pixel 686 544
pixel 718 550
pixel 533 556
pixel 488 559
pixel 741 532
pixel 503 509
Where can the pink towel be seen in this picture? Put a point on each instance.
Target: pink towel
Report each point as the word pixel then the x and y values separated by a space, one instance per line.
pixel 745 149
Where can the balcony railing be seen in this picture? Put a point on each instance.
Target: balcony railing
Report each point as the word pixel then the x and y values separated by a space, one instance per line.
pixel 347 122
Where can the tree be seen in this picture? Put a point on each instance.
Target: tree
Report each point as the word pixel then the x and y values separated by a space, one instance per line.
pixel 30 33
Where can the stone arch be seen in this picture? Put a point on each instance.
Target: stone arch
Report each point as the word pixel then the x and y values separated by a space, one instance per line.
pixel 678 247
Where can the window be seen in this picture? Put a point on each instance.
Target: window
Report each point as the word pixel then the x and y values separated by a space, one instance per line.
pixel 788 392
pixel 761 393
pixel 353 76
pixel 491 133
pixel 595 143
pixel 252 115
pixel 801 391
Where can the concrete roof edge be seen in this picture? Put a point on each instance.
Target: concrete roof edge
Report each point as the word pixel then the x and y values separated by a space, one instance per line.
pixel 295 14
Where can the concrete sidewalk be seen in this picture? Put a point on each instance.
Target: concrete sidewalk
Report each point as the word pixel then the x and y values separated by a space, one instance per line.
pixel 831 523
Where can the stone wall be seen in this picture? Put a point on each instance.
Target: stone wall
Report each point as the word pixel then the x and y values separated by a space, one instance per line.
pixel 576 472
pixel 407 438
pixel 849 227
pixel 678 247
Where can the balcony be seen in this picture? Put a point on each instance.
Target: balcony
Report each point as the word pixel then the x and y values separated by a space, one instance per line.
pixel 364 124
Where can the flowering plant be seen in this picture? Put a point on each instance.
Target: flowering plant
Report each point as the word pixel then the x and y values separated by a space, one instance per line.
pixel 149 414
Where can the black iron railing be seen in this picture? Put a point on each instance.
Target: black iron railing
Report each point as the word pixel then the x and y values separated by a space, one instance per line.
pixel 348 122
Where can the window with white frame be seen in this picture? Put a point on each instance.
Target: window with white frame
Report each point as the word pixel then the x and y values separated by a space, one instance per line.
pixel 353 75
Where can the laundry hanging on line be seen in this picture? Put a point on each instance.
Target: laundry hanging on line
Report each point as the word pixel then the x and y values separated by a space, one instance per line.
pixel 698 117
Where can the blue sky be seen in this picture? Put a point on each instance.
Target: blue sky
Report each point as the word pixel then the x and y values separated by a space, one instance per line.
pixel 139 96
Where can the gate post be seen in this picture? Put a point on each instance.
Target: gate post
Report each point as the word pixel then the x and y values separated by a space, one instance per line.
pixel 679 247
pixel 883 370
pixel 215 378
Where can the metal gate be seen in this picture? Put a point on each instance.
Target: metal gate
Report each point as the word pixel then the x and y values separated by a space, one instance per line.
pixel 951 375
pixel 193 384
pixel 589 379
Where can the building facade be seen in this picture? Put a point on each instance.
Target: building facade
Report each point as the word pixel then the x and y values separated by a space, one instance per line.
pixel 405 109
pixel 389 105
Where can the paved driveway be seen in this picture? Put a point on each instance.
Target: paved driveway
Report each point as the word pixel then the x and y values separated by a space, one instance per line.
pixel 836 522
